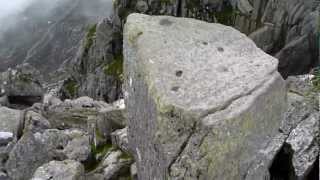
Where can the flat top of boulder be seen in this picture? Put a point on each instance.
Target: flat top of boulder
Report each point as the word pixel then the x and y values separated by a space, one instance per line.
pixel 192 64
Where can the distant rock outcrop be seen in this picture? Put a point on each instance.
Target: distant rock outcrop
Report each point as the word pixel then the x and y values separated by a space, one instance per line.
pixel 97 70
pixel 202 99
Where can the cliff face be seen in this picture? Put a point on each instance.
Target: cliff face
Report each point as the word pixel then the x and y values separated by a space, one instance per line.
pixel 96 71
pixel 47 36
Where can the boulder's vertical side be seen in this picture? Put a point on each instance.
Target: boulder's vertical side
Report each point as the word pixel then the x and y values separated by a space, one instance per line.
pixel 141 112
pixel 203 101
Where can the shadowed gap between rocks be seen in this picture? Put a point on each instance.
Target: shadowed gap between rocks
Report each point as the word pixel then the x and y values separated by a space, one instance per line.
pixel 314 173
pixel 282 168
pixel 21 102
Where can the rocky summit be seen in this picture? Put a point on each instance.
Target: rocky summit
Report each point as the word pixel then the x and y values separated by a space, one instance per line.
pixel 159 90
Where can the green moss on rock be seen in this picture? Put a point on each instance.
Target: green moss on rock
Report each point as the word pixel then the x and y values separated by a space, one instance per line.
pixel 27 78
pixel 90 38
pixel 96 151
pixel 226 16
pixel 71 87
pixel 115 68
pixel 316 80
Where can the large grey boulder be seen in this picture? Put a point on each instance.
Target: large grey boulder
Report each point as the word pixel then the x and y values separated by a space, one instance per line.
pixel 201 102
pixel 58 170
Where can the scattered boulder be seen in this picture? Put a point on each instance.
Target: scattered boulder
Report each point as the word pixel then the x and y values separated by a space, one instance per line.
pixel 78 149
pixel 120 139
pixel 116 165
pixel 9 119
pixel 201 102
pixel 110 119
pixel 73 113
pixel 34 149
pixel 304 142
pixel 22 86
pixel 35 122
pixel 58 170
pixel 26 156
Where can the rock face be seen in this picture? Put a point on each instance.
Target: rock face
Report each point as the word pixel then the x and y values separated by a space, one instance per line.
pixel 202 99
pixel 289 31
pixel 96 71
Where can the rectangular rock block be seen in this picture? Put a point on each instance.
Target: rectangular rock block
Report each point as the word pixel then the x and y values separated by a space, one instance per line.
pixel 202 99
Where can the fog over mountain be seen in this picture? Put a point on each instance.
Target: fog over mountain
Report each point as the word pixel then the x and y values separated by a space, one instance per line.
pixel 37 31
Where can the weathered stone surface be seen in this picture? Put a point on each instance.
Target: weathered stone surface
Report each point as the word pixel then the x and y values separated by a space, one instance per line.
pixel 96 70
pixel 287 30
pixel 58 170
pixel 110 119
pixel 74 113
pixel 35 149
pixel 22 81
pixel 78 149
pixel 116 166
pixel 119 138
pixel 201 102
pixel 276 159
pixel 9 119
pixel 304 141
pixel 35 122
pixel 27 155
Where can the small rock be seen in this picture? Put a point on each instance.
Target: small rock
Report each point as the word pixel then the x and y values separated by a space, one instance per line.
pixel 116 165
pixel 142 6
pixel 9 119
pixel 119 138
pixel 78 149
pixel 5 138
pixel 304 143
pixel 35 122
pixel 60 170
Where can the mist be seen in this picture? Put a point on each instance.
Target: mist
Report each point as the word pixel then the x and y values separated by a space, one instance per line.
pixel 12 7
pixel 12 12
